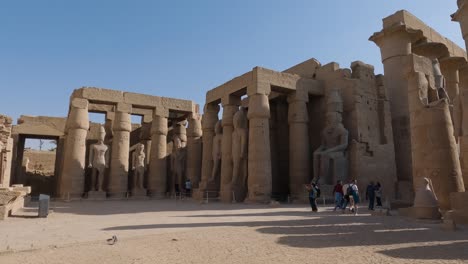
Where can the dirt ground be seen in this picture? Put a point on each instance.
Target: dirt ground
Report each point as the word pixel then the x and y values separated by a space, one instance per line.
pixel 169 231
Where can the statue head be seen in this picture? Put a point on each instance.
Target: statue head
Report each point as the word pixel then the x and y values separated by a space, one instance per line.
pixel 333 119
pixel 141 147
pixel 240 118
pixel 102 134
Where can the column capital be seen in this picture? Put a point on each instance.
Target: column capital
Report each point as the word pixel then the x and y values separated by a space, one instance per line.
pixel 78 117
pixel 195 127
pixel 210 116
pixel 395 40
pixel 159 125
pixel 297 112
pixel 230 99
pixel 452 63
pixel 161 112
pixel 259 106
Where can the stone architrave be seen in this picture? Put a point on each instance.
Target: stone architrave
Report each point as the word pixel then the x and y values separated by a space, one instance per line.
pixel 122 126
pixel 299 154
pixel 259 156
pixel 157 178
pixel 72 180
pixel 240 140
pixel 138 167
pixel 194 149
pixel 98 162
pixel 229 109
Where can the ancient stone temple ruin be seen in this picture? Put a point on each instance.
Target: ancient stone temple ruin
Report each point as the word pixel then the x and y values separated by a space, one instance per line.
pixel 265 134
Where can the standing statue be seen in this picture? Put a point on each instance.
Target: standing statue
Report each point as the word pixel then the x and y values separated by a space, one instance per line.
pixel 439 81
pixel 239 148
pixel 217 141
pixel 178 161
pixel 334 139
pixel 138 166
pixel 98 161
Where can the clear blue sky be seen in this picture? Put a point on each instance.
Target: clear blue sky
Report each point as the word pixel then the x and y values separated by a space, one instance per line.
pixel 180 48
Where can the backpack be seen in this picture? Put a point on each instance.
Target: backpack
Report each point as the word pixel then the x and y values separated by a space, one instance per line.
pixel 318 191
pixel 349 191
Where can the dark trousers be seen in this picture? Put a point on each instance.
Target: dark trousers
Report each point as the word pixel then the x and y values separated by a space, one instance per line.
pixel 371 202
pixel 379 201
pixel 313 204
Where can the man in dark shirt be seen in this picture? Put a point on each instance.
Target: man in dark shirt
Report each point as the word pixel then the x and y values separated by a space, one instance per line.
pixel 338 193
pixel 370 195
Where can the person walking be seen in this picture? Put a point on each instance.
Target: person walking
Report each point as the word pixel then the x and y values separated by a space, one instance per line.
pixel 188 187
pixel 311 188
pixel 354 196
pixel 378 194
pixel 346 195
pixel 370 195
pixel 338 193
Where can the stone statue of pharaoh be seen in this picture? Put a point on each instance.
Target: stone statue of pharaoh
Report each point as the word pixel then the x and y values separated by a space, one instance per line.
pixel 239 147
pixel 216 152
pixel 334 142
pixel 178 160
pixel 138 166
pixel 439 80
pixel 98 161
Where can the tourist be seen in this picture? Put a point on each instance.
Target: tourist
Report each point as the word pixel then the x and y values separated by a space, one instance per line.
pixel 311 188
pixel 338 193
pixel 354 196
pixel 188 187
pixel 370 195
pixel 346 199
pixel 378 194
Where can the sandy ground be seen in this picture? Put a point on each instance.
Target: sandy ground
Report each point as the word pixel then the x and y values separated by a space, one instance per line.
pixel 188 232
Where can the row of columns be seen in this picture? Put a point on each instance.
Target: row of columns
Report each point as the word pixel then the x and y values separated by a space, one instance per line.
pixel 72 176
pixel 259 155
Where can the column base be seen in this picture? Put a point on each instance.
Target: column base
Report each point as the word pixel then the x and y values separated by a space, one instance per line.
pixel 118 195
pixel 226 194
pixel 96 195
pixel 156 194
pixel 139 194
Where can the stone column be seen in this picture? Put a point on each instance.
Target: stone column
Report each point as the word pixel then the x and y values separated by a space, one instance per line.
pixel 209 120
pixel 194 149
pixel 157 177
pixel 259 160
pixel 449 67
pixel 122 126
pixel 395 46
pixel 463 74
pixel 230 106
pixel 71 180
pixel 299 154
pixel 461 16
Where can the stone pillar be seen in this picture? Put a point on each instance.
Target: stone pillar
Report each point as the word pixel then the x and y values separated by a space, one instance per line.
pixel 194 149
pixel 463 74
pixel 157 177
pixel 122 126
pixel 230 106
pixel 461 16
pixel 209 120
pixel 395 46
pixel 299 154
pixel 259 160
pixel 449 67
pixel 72 179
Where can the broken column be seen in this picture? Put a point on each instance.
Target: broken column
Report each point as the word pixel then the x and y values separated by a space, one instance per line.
pixel 230 106
pixel 122 126
pixel 299 147
pixel 71 182
pixel 157 177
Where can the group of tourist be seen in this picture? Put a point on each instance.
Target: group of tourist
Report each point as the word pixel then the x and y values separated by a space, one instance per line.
pixel 347 195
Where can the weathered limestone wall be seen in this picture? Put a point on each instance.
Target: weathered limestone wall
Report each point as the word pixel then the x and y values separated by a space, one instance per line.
pixel 41 161
pixel 6 147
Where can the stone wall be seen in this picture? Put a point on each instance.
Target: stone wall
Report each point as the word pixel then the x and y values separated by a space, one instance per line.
pixel 6 146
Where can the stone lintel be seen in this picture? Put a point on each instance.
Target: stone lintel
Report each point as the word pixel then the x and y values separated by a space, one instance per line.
pixel 231 87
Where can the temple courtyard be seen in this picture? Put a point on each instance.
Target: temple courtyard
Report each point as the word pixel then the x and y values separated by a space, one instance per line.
pixel 185 231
